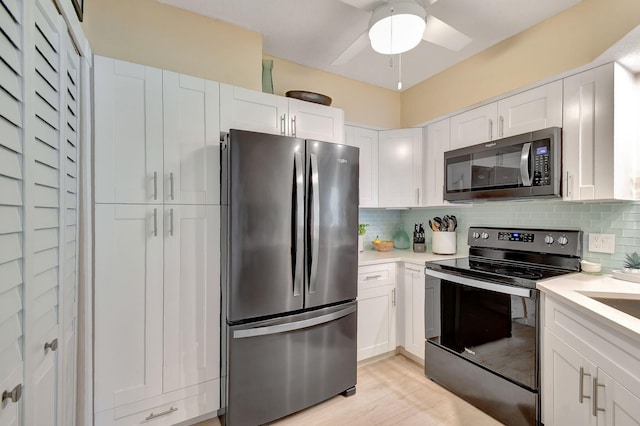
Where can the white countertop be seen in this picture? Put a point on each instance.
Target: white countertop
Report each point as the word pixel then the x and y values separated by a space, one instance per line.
pixel 570 288
pixel 373 257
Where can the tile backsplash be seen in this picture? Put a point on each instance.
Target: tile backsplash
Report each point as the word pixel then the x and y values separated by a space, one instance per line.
pixel 620 219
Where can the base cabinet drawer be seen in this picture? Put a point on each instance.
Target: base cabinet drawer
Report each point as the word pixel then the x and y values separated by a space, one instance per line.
pixel 167 410
pixel 376 275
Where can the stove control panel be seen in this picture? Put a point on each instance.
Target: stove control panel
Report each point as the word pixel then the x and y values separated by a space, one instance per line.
pixel 525 237
pixel 566 242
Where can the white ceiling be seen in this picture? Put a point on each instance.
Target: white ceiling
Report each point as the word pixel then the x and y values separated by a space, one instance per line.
pixel 315 32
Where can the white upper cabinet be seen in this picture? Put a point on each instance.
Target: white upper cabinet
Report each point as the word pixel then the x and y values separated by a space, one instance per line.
pixel 475 126
pixel 600 135
pixel 436 143
pixel 255 111
pixel 251 110
pixel 534 109
pixel 400 168
pixel 128 132
pixel 157 135
pixel 191 140
pixel 367 141
pixel 313 121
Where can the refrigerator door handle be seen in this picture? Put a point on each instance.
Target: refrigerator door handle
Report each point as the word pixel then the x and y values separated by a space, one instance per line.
pixel 293 326
pixel 314 222
pixel 297 219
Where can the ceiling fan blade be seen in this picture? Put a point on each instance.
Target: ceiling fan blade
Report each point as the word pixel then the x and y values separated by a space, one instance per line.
pixel 443 34
pixel 350 52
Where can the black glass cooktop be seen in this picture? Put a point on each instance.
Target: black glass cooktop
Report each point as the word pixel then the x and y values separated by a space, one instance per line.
pixel 522 275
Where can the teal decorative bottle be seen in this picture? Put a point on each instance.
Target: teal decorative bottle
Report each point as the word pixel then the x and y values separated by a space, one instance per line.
pixel 401 239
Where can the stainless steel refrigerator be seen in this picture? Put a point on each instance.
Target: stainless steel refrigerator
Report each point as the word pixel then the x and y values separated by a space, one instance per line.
pixel 289 248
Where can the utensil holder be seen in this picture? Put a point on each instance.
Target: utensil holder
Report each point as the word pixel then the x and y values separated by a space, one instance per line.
pixel 443 243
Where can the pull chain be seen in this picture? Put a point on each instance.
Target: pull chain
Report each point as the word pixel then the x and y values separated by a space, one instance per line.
pixel 399 71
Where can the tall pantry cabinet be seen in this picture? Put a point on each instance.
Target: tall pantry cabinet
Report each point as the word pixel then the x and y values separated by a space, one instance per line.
pixel 157 267
pixel 40 110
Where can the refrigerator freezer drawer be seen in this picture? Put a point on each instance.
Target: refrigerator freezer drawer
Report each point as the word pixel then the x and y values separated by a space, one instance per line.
pixel 278 367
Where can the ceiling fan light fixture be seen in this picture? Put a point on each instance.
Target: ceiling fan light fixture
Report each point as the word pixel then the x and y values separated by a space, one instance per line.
pixel 396 28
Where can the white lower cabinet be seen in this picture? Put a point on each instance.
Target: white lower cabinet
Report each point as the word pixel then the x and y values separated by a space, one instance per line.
pixel 157 320
pixel 590 374
pixel 414 309
pixel 376 310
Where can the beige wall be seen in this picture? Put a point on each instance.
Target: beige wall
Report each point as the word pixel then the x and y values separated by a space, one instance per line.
pixel 151 33
pixel 361 102
pixel 566 41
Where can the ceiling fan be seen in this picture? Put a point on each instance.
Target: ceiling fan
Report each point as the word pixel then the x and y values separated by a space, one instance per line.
pixel 403 14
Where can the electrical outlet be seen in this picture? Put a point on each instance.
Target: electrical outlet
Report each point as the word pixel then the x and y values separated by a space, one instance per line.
pixel 602 243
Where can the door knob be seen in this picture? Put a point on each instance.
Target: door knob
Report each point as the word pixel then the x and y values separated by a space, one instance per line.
pixel 14 394
pixel 53 345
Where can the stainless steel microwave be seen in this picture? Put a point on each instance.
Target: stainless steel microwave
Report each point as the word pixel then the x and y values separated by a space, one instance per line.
pixel 520 166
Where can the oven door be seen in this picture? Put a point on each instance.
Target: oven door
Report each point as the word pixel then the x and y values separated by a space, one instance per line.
pixel 490 324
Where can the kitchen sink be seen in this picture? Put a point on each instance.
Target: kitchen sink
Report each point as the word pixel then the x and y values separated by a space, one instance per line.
pixel 628 303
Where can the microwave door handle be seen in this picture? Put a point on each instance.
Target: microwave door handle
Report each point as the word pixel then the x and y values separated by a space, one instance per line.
pixel 524 164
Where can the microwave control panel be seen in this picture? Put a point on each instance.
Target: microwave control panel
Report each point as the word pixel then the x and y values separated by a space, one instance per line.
pixel 541 164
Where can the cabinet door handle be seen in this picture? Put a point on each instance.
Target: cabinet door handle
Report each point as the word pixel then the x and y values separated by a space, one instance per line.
pixel 417 197
pixel 171 222
pixel 581 395
pixel 53 345
pixel 155 185
pixel 283 120
pixel 155 222
pixel 294 127
pixel 164 413
pixel 372 277
pixel 596 385
pixel 14 394
pixel 501 126
pixel 490 129
pixel 171 184
pixel 393 297
pixel 569 186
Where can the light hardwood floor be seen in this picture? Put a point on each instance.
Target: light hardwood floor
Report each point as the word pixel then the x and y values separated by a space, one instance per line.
pixel 392 391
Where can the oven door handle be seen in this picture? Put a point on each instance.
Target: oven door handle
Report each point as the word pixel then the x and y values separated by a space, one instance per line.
pixel 484 285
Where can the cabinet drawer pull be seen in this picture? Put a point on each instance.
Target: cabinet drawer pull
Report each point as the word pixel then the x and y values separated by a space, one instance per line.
pixel 53 345
pixel 596 385
pixel 372 277
pixel 164 413
pixel 14 395
pixel 581 395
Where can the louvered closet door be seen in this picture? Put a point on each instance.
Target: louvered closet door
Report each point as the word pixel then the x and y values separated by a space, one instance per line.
pixel 11 208
pixel 70 108
pixel 43 218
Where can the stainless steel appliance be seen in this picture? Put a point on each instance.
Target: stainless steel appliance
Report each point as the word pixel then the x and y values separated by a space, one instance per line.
pixel 526 165
pixel 487 347
pixel 289 256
